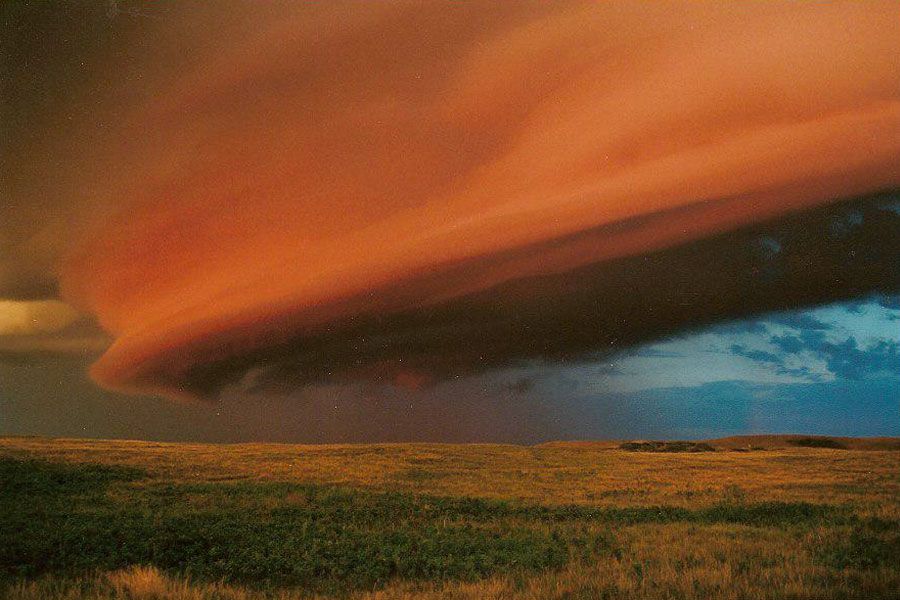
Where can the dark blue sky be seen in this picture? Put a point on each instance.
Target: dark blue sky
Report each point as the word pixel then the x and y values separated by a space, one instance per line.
pixel 834 369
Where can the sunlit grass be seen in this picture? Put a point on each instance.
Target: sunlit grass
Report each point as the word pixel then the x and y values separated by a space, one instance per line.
pixel 85 519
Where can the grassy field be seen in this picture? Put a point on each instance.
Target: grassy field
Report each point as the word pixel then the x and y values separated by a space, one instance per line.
pixel 770 517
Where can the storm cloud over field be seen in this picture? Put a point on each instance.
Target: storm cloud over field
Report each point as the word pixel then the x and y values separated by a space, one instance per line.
pixel 266 197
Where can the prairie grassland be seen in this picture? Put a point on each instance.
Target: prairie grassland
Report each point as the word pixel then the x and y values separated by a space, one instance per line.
pixel 114 519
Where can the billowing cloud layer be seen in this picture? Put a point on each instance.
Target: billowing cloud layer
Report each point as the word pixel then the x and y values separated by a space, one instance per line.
pixel 360 186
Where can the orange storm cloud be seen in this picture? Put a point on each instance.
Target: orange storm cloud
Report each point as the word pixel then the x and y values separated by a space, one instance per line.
pixel 297 167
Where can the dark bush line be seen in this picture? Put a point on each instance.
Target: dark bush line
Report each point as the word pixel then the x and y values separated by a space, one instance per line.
pixel 666 447
pixel 816 442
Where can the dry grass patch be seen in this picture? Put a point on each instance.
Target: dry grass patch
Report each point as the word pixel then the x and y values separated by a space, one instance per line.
pixel 793 522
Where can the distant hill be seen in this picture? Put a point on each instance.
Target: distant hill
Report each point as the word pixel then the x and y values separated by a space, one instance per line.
pixel 751 442
pixel 809 441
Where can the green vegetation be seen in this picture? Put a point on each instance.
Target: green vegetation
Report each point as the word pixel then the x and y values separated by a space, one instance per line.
pixel 98 524
pixel 868 545
pixel 70 519
pixel 75 518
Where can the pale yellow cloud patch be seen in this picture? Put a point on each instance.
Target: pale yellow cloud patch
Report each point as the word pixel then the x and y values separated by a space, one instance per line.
pixel 35 317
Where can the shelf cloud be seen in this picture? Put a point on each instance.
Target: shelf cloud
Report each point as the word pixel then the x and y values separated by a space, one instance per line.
pixel 265 195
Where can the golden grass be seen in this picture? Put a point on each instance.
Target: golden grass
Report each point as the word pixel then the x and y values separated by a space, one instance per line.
pixel 135 583
pixel 594 475
pixel 671 561
pixel 657 561
pixel 144 583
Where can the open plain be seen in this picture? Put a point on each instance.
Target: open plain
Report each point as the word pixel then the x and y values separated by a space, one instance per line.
pixel 756 517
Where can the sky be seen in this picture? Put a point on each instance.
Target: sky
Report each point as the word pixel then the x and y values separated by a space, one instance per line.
pixel 831 370
pixel 359 221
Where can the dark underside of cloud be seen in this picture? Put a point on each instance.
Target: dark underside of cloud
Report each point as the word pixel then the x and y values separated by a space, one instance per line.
pixel 482 409
pixel 847 250
pixel 276 195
